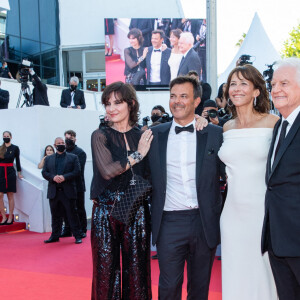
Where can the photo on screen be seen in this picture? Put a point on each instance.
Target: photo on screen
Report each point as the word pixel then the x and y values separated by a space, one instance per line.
pixel 149 53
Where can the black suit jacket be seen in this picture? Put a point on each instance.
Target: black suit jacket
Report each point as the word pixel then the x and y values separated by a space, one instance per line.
pixel 282 203
pixel 4 99
pixel 208 171
pixel 71 171
pixel 39 93
pixel 165 73
pixel 80 182
pixel 190 62
pixel 78 98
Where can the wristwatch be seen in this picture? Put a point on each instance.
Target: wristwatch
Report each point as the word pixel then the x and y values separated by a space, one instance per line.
pixel 137 156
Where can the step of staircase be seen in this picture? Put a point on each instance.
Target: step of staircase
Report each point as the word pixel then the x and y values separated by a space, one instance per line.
pixel 113 57
pixel 15 226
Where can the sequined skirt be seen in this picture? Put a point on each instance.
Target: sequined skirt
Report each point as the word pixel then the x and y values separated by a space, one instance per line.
pixel 109 237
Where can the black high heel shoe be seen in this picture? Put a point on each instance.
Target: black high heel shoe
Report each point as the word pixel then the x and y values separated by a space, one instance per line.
pixel 9 223
pixel 4 223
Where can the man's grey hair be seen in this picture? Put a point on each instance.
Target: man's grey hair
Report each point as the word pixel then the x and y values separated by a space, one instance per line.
pixel 293 62
pixel 74 79
pixel 58 138
pixel 187 37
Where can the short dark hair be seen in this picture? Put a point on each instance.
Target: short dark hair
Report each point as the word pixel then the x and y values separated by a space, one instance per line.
pixel 161 32
pixel 159 107
pixel 70 132
pixel 193 73
pixel 210 103
pixel 136 33
pixel 177 32
pixel 253 75
pixel 197 90
pixel 125 93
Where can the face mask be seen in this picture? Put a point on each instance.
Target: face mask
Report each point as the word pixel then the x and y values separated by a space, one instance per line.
pixel 73 87
pixel 70 144
pixel 60 148
pixel 155 118
pixel 6 140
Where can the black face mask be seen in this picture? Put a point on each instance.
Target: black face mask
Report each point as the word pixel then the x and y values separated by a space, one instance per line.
pixel 155 118
pixel 70 144
pixel 73 87
pixel 6 140
pixel 60 148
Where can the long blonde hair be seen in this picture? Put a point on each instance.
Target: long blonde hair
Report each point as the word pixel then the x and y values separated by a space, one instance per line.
pixel 3 147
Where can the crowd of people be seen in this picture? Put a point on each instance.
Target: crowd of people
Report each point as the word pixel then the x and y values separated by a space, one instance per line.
pixel 162 49
pixel 183 157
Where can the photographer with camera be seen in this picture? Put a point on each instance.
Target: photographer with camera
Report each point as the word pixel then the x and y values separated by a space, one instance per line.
pixel 158 116
pixel 210 112
pixel 4 71
pixel 39 92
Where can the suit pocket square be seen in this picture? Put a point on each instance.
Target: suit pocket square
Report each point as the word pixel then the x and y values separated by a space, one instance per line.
pixel 211 151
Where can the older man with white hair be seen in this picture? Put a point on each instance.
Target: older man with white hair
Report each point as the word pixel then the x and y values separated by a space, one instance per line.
pixel 281 231
pixel 190 60
pixel 72 97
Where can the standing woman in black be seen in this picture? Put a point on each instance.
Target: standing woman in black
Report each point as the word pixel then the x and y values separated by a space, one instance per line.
pixel 8 153
pixel 114 148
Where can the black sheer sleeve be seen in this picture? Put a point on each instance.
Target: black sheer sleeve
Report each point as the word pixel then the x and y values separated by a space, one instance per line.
pixel 129 60
pixel 17 156
pixel 103 159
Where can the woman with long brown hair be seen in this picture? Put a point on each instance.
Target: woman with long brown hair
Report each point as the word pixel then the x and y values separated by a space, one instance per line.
pixel 8 153
pixel 246 273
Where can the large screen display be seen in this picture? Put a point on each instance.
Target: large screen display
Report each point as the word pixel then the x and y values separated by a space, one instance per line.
pixel 151 52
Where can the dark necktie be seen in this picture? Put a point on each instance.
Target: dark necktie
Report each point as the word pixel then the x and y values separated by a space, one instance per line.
pixel 181 62
pixel 157 50
pixel 188 128
pixel 281 136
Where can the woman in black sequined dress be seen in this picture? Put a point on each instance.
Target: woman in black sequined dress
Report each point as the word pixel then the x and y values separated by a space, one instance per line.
pixel 114 149
pixel 8 153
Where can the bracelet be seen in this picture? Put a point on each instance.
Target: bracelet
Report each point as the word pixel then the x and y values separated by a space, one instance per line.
pixel 141 59
pixel 137 156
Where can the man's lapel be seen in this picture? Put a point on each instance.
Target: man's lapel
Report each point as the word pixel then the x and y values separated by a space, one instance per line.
pixel 200 151
pixel 162 143
pixel 268 172
pixel 288 139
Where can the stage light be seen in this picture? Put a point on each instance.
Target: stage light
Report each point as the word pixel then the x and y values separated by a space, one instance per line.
pixel 28 226
pixel 16 217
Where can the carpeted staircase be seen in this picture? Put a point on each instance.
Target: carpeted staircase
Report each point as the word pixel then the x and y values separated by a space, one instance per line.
pixel 15 226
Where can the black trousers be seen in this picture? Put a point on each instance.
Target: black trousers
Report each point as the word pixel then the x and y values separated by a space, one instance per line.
pixel 181 239
pixel 81 214
pixel 109 237
pixel 60 205
pixel 286 271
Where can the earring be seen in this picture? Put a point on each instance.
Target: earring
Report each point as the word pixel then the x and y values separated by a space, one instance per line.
pixel 229 102
pixel 254 102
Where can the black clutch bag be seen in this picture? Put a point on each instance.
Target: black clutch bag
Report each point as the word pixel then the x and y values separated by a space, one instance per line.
pixel 127 202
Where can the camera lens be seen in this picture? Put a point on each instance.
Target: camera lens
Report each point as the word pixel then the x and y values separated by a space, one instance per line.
pixel 212 113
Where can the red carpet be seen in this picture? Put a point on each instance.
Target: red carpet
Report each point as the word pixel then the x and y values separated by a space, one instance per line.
pixel 114 69
pixel 32 270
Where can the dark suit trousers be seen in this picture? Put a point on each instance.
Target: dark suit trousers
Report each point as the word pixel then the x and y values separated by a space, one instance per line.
pixel 286 271
pixel 81 214
pixel 181 239
pixel 58 205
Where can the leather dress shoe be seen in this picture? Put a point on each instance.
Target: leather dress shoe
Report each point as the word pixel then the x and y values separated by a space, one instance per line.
pixel 154 256
pixel 51 240
pixel 83 235
pixel 65 234
pixel 78 240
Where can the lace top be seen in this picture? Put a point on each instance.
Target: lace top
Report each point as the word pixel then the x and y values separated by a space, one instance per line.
pixel 109 156
pixel 131 60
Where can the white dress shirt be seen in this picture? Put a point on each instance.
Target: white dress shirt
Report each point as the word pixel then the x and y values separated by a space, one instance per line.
pixel 72 98
pixel 155 65
pixel 181 193
pixel 291 119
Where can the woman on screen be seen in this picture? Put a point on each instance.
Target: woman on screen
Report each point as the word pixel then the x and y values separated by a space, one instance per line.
pixel 135 58
pixel 176 55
